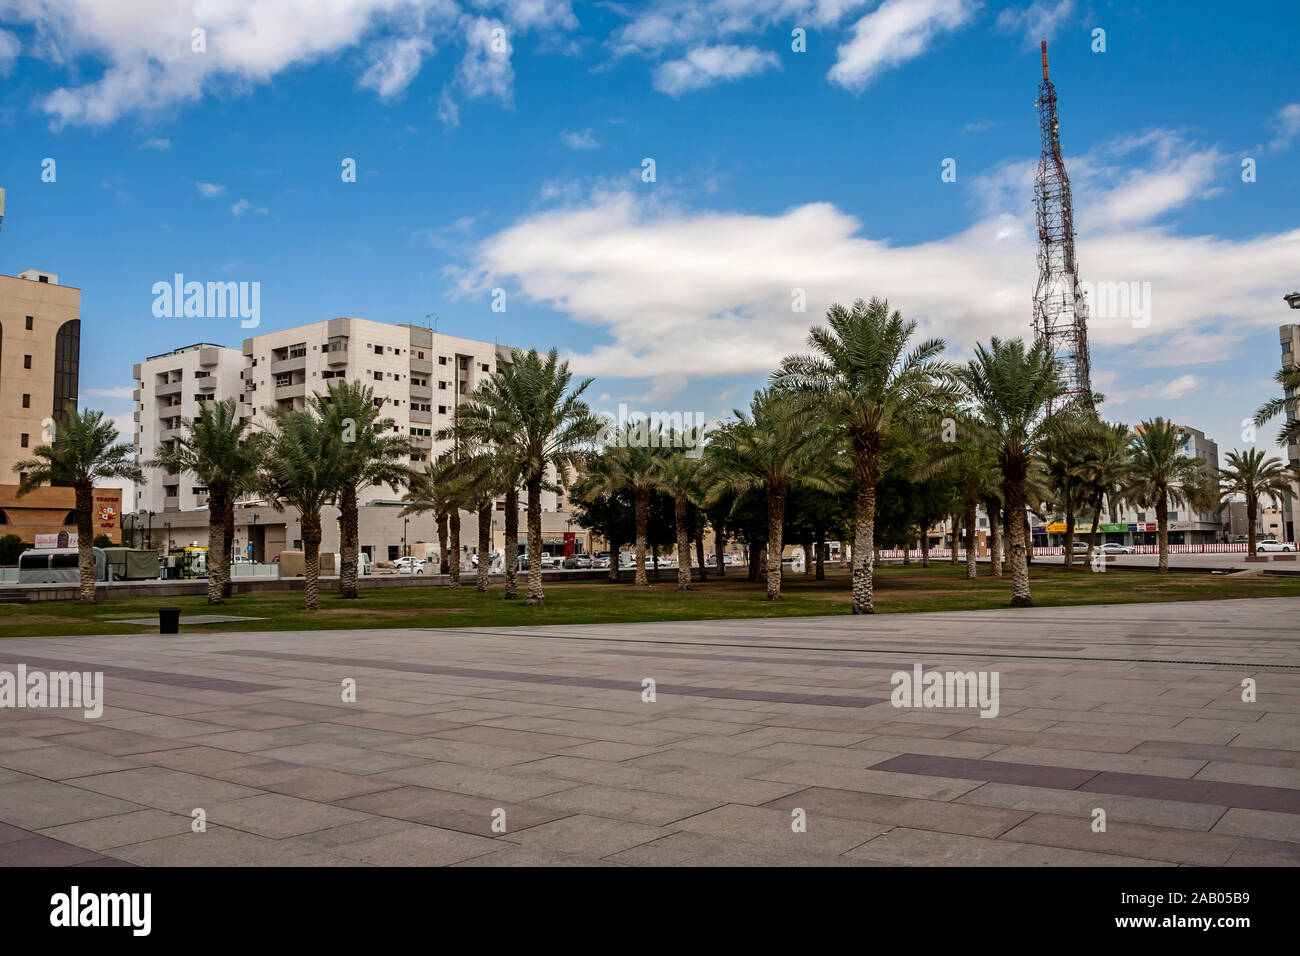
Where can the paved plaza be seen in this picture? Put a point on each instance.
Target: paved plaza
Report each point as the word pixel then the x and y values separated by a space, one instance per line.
pixel 496 746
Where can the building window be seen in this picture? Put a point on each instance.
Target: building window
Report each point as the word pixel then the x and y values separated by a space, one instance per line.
pixel 298 351
pixel 442 409
pixel 379 350
pixel 30 320
pixel 23 440
pixel 483 366
pixel 379 376
pixel 27 400
pixel 442 360
pixel 27 361
pixel 67 351
pixel 442 385
pixel 419 355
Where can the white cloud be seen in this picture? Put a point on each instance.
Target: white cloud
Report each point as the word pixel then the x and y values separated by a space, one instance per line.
pixel 704 66
pixel 579 139
pixel 485 69
pixel 448 111
pixel 1039 21
pixel 249 42
pixel 1287 125
pixel 210 190
pixel 159 144
pixel 397 64
pixel 708 293
pixel 243 205
pixel 892 34
pixel 9 50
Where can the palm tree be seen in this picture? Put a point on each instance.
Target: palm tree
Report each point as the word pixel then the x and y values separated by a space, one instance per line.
pixel 677 473
pixel 1104 470
pixel 427 493
pixel 1288 379
pixel 83 451
pixel 302 469
pixel 862 378
pixel 631 464
pixel 969 464
pixel 370 453
pixel 1159 470
pixel 1062 456
pixel 771 449
pixel 1011 387
pixel 219 451
pixel 1252 475
pixel 528 407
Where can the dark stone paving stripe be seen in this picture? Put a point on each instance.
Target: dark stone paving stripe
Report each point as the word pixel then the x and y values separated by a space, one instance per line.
pixel 19 847
pixel 1262 756
pixel 195 681
pixel 1242 795
pixel 993 771
pixel 727 693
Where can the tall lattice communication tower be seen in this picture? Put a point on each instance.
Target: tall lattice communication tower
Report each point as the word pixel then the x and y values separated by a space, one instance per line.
pixel 1060 310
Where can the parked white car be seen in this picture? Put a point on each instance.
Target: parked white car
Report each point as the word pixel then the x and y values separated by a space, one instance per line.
pixel 1272 544
pixel 1111 547
pixel 408 564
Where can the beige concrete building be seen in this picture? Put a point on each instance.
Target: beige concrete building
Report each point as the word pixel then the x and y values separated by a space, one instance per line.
pixel 40 346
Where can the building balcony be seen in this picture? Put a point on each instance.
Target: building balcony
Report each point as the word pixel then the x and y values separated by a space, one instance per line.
pixel 294 390
pixel 421 367
pixel 172 503
pixel 421 392
pixel 288 364
pixel 171 388
pixel 208 357
pixel 423 442
pixel 421 418
pixel 336 356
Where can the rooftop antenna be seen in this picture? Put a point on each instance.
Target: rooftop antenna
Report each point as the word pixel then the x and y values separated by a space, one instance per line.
pixel 434 317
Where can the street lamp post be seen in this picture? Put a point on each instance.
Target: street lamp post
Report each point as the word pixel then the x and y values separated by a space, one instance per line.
pixel 405 549
pixel 168 525
pixel 151 529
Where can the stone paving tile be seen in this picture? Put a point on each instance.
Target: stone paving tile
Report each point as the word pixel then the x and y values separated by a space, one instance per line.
pixel 277 815
pixel 60 761
pixel 1166 813
pixel 454 811
pixel 588 836
pixel 44 851
pixel 900 811
pixel 347 759
pixel 505 784
pixel 161 788
pixel 903 846
pixel 308 783
pixel 919 786
pixel 636 806
pixel 1197 791
pixel 1144 842
pixel 1266 824
pixel 1208 752
pixel 771 826
pixel 519 856
pixel 122 829
pixel 703 849
pixel 36 804
pixel 1034 775
pixel 1225 772
pixel 222 847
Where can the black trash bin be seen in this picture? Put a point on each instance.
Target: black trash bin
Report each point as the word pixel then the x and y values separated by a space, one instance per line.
pixel 169 620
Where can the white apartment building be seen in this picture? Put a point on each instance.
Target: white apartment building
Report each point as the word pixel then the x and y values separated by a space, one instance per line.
pixel 418 377
pixel 170 389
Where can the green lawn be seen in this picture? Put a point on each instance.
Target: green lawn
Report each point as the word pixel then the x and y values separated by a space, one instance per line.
pixel 898 590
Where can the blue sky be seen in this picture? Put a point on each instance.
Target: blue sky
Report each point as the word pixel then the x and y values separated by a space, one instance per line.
pixel 501 145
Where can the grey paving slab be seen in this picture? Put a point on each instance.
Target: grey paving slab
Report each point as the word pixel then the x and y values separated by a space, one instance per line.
pixel 754 720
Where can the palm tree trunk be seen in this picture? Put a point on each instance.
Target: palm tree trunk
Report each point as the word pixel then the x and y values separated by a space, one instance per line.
pixel 775 519
pixel 1067 499
pixel 970 540
pixel 349 535
pixel 907 553
pixel 85 501
pixel 444 559
pixel 956 525
pixel 699 555
pixel 453 548
pixel 216 542
pixel 614 552
pixel 1162 529
pixel 994 509
pixel 865 465
pixel 311 535
pixel 720 546
pixel 807 545
pixel 925 547
pixel 1252 511
pixel 1020 596
pixel 229 550
pixel 484 544
pixel 654 560
pixel 511 548
pixel 683 544
pixel 642 497
pixel 1096 521
pixel 535 593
